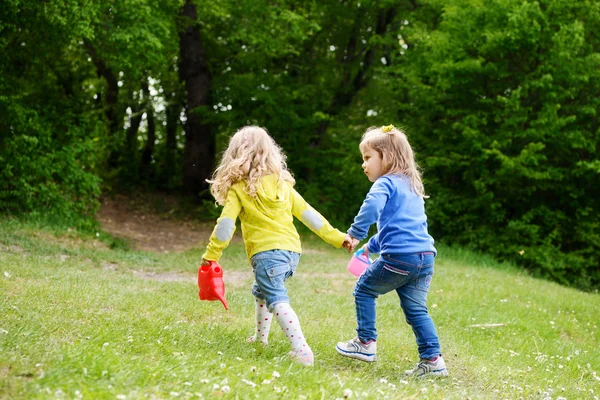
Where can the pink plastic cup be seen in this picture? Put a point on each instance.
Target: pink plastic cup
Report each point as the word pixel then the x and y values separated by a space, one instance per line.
pixel 359 262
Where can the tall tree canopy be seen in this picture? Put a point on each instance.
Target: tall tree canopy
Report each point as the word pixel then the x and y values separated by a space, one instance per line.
pixel 498 98
pixel 502 103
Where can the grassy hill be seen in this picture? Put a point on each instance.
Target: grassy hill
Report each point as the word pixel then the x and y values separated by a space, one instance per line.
pixel 81 316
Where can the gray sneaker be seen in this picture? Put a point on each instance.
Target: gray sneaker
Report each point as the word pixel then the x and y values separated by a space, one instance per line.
pixel 356 349
pixel 426 368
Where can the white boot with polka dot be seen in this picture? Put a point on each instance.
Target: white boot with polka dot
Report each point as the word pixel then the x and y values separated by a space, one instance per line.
pixel 290 324
pixel 263 323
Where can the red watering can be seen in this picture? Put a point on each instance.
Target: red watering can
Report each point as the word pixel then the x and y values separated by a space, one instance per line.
pixel 210 283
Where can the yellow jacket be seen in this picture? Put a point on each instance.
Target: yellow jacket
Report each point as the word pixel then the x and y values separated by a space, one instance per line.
pixel 267 220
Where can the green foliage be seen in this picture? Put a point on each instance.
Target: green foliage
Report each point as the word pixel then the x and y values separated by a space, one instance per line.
pixel 41 176
pixel 499 99
pixel 47 149
pixel 503 107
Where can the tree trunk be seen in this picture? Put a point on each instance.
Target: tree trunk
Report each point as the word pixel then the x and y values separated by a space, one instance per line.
pixel 199 151
pixel 110 98
pixel 173 112
pixel 148 152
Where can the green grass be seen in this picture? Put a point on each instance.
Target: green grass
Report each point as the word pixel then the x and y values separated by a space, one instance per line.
pixel 81 317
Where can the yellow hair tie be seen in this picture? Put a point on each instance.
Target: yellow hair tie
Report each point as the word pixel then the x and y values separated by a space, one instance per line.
pixel 387 128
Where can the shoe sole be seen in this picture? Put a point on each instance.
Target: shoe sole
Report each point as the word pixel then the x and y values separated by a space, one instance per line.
pixel 433 374
pixel 358 356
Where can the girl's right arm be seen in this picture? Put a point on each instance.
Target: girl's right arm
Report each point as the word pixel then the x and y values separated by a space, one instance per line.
pixel 223 231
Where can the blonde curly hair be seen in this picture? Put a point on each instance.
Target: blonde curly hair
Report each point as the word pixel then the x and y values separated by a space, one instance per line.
pixel 250 155
pixel 397 155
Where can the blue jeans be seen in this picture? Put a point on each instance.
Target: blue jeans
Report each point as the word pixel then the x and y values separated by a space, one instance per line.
pixel 271 269
pixel 410 275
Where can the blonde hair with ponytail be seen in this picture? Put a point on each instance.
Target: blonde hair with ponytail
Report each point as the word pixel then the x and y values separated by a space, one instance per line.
pixel 396 153
pixel 250 155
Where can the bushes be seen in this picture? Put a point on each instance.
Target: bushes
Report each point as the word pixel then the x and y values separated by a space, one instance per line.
pixel 499 102
pixel 43 175
pixel 499 99
pixel 502 101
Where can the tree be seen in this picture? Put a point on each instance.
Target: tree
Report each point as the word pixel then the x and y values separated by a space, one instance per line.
pixel 199 153
pixel 47 126
pixel 499 97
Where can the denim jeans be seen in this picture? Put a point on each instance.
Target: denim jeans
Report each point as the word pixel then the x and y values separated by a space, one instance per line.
pixel 271 269
pixel 410 276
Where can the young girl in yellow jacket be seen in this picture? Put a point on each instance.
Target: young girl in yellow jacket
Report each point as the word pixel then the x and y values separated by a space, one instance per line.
pixel 253 182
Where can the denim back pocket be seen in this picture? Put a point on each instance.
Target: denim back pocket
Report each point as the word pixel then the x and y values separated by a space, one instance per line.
pixel 399 270
pixel 276 270
pixel 395 277
pixel 423 281
pixel 279 273
pixel 275 265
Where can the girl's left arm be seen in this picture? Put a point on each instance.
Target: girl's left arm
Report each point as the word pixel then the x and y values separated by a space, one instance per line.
pixel 371 208
pixel 373 244
pixel 315 221
pixel 223 231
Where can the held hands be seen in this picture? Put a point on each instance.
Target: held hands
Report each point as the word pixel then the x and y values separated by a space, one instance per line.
pixel 205 262
pixel 350 243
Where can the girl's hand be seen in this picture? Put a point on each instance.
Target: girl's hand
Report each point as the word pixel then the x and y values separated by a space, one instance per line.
pixel 349 243
pixel 205 262
pixel 365 250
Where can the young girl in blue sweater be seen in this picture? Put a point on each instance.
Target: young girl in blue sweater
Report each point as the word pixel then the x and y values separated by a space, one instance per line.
pixel 406 252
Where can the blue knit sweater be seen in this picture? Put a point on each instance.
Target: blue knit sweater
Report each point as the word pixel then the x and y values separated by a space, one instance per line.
pixel 400 216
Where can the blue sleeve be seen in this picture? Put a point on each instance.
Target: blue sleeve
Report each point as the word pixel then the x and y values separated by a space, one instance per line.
pixel 373 244
pixel 371 208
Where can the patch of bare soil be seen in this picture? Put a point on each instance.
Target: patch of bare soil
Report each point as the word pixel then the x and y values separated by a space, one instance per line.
pixel 135 221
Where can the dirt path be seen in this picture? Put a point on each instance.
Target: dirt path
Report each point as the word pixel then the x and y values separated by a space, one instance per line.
pixel 133 219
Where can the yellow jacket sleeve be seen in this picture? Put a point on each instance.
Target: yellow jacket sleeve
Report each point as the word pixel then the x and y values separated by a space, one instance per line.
pixel 223 231
pixel 315 221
